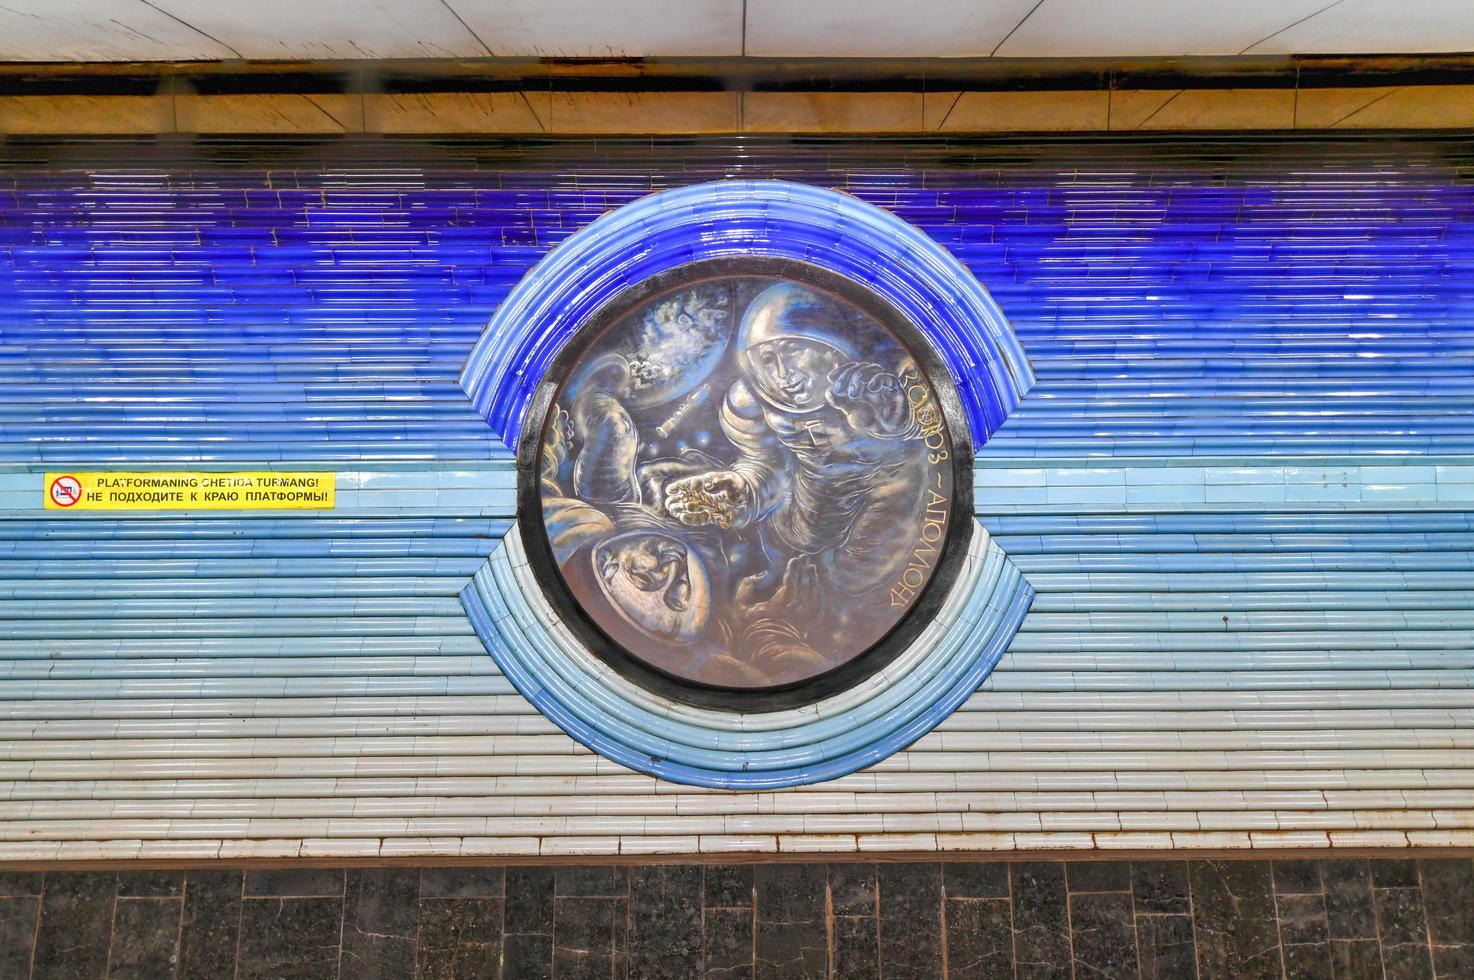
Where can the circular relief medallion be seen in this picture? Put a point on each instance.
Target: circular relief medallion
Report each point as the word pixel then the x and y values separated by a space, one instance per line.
pixel 743 478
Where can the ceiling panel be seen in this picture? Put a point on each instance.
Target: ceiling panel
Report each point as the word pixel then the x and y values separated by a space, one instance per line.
pixel 142 30
pixel 1090 28
pixel 330 29
pixel 599 28
pixel 880 28
pixel 1373 26
pixel 97 30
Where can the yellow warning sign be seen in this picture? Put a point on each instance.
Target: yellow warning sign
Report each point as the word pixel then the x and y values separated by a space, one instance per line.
pixel 189 491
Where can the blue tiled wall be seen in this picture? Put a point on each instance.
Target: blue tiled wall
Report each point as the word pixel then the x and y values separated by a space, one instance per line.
pixel 1240 488
pixel 1176 298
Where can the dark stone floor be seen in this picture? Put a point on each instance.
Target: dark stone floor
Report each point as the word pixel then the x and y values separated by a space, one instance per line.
pixel 1077 919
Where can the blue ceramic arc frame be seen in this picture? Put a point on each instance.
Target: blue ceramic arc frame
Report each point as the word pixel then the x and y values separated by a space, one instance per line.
pixel 849 729
pixel 894 260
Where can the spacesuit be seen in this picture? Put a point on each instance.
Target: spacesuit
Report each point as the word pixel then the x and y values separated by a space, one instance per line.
pixel 651 584
pixel 830 462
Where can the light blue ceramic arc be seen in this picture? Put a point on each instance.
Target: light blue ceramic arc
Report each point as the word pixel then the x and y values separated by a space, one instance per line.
pixel 586 709
pixel 936 662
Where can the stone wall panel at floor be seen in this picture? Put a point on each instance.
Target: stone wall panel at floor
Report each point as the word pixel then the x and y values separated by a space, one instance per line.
pixel 1083 918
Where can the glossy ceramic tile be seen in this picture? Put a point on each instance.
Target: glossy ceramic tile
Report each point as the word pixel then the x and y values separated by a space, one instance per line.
pixel 1239 487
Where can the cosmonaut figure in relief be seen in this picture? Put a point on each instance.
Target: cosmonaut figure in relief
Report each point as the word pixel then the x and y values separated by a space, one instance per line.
pixel 653 584
pixel 829 466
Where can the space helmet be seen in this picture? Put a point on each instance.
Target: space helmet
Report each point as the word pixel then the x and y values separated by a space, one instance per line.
pixel 788 311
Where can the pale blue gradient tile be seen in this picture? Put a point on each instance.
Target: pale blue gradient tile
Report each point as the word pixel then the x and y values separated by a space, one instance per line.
pixel 1315 492
pixel 1330 475
pixel 1455 474
pixel 1245 493
pixel 1234 475
pixel 1167 495
pixel 1165 475
pixel 1087 495
pixel 1404 493
pixel 991 500
pixel 998 476
pixel 1410 475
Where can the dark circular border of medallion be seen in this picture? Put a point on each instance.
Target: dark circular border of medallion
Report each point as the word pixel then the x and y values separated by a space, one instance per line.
pixel 746 699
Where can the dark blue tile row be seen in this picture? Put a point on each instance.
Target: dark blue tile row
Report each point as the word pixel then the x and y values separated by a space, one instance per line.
pixel 1170 292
